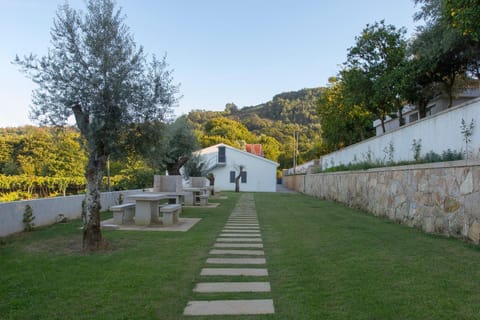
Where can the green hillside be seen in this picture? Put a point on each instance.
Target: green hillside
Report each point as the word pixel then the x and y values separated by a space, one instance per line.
pixel 272 123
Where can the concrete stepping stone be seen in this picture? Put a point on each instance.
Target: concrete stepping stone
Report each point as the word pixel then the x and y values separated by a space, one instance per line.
pixel 229 307
pixel 240 235
pixel 239 239
pixel 241 230
pixel 242 227
pixel 212 287
pixel 241 252
pixel 236 260
pixel 252 272
pixel 237 245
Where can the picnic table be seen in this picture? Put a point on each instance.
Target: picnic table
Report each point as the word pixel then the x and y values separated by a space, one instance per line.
pixel 146 207
pixel 193 195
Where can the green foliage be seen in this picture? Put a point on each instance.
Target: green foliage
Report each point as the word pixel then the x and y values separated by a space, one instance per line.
pixel 371 72
pixel 196 167
pixel 446 45
pixel 272 124
pixel 41 151
pixel 467 132
pixel 35 186
pixel 228 131
pixel 464 15
pixel 342 123
pixel 28 218
pixel 416 148
pixel 370 163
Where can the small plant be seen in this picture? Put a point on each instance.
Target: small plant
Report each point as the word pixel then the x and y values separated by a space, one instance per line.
pixel 28 218
pixel 416 148
pixel 389 152
pixel 120 198
pixel 368 157
pixel 451 155
pixel 467 132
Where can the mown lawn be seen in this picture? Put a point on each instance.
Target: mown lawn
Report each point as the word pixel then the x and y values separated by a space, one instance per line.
pixel 145 275
pixel 325 262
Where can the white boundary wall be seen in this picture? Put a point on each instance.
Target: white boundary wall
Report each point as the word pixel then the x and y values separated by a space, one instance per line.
pixel 437 133
pixel 47 210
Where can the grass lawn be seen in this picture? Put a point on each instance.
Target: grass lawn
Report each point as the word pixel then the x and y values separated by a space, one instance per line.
pixel 325 262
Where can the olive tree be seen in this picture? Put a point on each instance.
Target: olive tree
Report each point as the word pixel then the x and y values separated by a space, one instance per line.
pixel 95 72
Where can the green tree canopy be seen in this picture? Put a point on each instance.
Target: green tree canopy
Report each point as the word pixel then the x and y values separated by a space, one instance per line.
pixel 371 76
pixel 95 72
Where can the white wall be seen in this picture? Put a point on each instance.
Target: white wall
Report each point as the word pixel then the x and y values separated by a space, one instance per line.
pixel 261 172
pixel 437 133
pixel 46 210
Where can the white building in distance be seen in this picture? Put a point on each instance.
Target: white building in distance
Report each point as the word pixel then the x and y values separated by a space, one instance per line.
pixel 259 174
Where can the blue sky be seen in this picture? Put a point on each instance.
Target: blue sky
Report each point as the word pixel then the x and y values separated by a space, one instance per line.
pixel 240 51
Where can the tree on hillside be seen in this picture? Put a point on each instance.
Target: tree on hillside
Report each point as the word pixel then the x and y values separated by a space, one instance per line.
pixel 228 131
pixel 370 77
pixel 95 72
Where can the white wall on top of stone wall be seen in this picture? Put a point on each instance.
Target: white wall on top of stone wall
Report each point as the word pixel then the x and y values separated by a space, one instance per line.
pixel 438 133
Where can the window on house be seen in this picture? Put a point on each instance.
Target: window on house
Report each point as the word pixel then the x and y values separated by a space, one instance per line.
pixel 221 154
pixel 244 177
pixel 430 110
pixel 413 117
pixel 232 176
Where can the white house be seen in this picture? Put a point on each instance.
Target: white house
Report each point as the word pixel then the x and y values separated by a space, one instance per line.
pixel 411 114
pixel 259 174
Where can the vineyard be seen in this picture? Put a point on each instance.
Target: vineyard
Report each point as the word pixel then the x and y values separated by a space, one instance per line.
pixel 39 162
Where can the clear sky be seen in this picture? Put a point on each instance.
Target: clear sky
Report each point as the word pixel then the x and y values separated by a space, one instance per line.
pixel 240 51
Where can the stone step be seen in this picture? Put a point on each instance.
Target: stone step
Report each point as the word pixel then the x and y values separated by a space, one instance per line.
pixel 241 252
pixel 236 261
pixel 237 245
pixel 239 239
pixel 229 307
pixel 253 272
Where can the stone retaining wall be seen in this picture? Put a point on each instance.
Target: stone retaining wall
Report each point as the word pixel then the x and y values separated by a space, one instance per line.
pixel 439 198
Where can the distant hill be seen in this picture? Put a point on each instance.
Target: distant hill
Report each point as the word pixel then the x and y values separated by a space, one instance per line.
pixel 286 113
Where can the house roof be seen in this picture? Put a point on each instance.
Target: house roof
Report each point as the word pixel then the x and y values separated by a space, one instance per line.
pixel 215 147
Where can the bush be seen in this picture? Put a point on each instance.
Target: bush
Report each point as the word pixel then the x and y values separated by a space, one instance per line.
pixel 448 155
pixel 28 218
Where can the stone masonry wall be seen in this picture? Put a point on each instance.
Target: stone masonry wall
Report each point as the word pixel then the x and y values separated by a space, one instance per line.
pixel 439 198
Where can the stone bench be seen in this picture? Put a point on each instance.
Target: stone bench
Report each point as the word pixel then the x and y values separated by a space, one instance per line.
pixel 170 213
pixel 123 213
pixel 203 199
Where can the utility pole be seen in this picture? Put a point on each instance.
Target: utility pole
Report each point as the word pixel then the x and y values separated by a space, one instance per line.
pixel 295 147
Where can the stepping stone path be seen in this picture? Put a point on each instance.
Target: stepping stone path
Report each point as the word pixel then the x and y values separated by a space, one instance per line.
pixel 240 245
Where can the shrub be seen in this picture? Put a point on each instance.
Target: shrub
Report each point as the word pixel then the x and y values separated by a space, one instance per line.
pixel 28 218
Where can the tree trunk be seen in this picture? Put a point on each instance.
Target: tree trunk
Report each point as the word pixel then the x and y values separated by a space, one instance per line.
pixel 237 180
pixel 174 169
pixel 382 121
pixel 211 180
pixel 422 108
pixel 92 233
